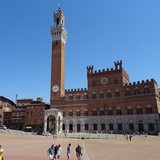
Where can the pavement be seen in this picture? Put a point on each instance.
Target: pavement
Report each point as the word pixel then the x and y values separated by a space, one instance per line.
pixel 23 147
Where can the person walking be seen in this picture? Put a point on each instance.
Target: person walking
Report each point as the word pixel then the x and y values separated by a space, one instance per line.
pixel 59 151
pixel 1 152
pixel 68 151
pixel 78 152
pixel 50 152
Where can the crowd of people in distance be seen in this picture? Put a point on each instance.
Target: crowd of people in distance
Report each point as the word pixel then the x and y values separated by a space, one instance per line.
pixel 55 151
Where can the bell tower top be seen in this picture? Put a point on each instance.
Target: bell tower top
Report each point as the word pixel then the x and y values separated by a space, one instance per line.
pixel 58 32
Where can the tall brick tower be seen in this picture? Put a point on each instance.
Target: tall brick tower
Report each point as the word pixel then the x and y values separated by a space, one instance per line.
pixel 59 36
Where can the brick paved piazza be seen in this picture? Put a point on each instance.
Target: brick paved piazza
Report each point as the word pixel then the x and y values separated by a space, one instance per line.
pixel 19 147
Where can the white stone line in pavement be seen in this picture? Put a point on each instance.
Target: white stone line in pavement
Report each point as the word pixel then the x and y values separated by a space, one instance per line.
pixel 85 154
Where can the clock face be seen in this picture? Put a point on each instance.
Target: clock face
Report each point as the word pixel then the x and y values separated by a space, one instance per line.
pixel 55 88
pixel 104 80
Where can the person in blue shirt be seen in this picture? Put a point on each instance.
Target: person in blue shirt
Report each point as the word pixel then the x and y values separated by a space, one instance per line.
pixel 68 151
pixel 50 152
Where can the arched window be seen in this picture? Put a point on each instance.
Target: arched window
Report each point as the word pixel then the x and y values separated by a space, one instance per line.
pixel 139 110
pixel 78 96
pixel 102 112
pixel 117 93
pixel 103 127
pixel 94 112
pixel 146 90
pixel 110 111
pixel 70 97
pixel 95 126
pixel 70 112
pixel 111 127
pixel 85 96
pixel 78 127
pixel 101 95
pixel 149 109
pixel 109 94
pixel 70 127
pixel 63 127
pixel 136 91
pixel 129 110
pixel 86 127
pixel 86 112
pixel 119 127
pixel 93 95
pixel 128 92
pixel 151 127
pixel 118 111
pixel 131 126
pixel 78 112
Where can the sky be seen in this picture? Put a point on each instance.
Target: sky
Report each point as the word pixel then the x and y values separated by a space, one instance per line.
pixel 99 33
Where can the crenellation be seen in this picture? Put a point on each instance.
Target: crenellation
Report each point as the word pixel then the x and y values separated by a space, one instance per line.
pixel 142 81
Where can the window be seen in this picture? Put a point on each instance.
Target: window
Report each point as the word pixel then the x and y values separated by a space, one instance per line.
pixel 146 90
pixel 86 127
pixel 94 112
pixel 131 126
pixel 77 112
pixel 139 110
pixel 117 93
pixel 103 127
pixel 109 94
pixel 110 111
pixel 128 92
pixel 119 126
pixel 70 97
pixel 93 95
pixel 70 113
pixel 102 112
pixel 94 126
pixel 77 96
pixel 85 96
pixel 85 112
pixel 101 95
pixel 118 111
pixel 111 127
pixel 136 91
pixel 129 111
pixel 149 110
pixel 63 127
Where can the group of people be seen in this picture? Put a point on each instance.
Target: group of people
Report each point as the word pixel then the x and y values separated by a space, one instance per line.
pixel 55 151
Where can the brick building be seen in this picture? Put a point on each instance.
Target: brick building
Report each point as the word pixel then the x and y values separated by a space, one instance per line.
pixel 111 103
pixel 6 105
pixel 28 115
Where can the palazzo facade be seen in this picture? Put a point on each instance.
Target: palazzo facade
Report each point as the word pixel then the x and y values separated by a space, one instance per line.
pixel 110 103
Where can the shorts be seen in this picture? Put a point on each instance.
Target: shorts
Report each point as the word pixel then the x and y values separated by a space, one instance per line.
pixel 51 156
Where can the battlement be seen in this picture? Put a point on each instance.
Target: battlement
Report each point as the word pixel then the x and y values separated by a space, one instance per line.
pixel 75 89
pixel 118 66
pixel 139 82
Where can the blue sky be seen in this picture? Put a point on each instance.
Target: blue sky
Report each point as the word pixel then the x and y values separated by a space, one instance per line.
pixel 99 33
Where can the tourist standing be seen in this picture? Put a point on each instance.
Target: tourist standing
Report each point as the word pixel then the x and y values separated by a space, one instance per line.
pixel 50 152
pixel 59 152
pixel 78 152
pixel 68 151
